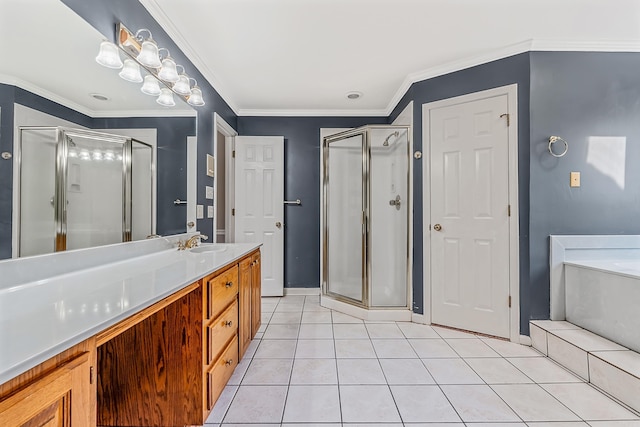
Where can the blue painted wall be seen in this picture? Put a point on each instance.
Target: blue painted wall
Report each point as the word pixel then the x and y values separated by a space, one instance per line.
pixel 302 181
pixel 578 95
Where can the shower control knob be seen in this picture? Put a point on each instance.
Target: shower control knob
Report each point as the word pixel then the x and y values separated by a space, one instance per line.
pixel 437 227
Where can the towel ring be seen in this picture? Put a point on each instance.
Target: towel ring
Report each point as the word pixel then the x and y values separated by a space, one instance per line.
pixel 553 140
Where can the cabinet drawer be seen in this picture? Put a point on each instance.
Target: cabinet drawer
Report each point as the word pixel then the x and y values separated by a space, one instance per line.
pixel 221 372
pixel 221 289
pixel 221 330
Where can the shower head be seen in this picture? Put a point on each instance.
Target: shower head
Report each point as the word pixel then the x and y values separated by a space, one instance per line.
pixel 386 141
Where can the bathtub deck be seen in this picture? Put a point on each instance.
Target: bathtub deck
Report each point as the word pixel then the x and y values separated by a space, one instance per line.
pixel 607 365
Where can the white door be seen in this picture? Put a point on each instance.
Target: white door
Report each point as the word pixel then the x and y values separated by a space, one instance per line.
pixel 259 204
pixel 469 216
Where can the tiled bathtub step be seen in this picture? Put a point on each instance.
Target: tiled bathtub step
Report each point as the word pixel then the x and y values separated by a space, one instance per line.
pixel 603 363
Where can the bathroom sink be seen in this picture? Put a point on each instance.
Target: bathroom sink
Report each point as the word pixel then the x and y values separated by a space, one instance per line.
pixel 208 247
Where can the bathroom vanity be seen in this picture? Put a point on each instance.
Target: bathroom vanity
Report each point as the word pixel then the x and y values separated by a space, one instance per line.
pixel 150 340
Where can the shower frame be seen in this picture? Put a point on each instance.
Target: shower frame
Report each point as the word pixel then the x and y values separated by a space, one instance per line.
pixel 63 136
pixel 366 215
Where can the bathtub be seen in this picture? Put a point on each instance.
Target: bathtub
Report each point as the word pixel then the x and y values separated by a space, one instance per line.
pixel 603 296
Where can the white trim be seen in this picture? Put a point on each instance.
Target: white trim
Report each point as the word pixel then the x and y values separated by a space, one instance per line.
pixel 525 340
pixel 514 237
pixel 247 112
pixel 371 314
pixel 221 125
pixel 585 46
pixel 182 42
pixel 419 318
pixel 301 291
pixel 37 90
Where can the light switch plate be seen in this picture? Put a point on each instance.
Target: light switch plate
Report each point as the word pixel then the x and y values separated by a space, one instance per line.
pixel 209 192
pixel 209 211
pixel 211 161
pixel 199 211
pixel 574 179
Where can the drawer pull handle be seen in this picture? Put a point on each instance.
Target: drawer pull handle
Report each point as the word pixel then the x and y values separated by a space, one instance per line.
pixel 228 284
pixel 229 362
pixel 228 323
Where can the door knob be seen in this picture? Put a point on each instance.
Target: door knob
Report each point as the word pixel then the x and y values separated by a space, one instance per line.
pixel 191 224
pixel 437 227
pixel 279 224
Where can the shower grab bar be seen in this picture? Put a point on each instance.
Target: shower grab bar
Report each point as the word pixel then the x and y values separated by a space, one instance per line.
pixel 293 202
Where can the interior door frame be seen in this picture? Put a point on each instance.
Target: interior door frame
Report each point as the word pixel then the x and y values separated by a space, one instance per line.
pixel 514 238
pixel 221 125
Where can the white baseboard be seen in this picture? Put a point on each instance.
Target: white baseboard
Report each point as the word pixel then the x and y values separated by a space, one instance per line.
pixel 302 291
pixel 525 340
pixel 419 318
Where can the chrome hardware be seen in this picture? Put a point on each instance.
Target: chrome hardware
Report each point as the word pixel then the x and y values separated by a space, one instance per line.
pixel 228 284
pixel 179 202
pixel 191 224
pixel 417 155
pixel 279 224
pixel 7 155
pixel 228 323
pixel 553 140
pixel 293 202
pixel 396 202
pixel 437 227
pixel 229 362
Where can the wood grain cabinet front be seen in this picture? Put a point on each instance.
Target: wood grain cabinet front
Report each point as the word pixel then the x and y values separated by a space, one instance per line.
pixel 221 331
pixel 53 394
pixel 221 289
pixel 221 371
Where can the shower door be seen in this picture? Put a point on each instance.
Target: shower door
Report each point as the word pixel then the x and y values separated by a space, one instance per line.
pixel 77 189
pixel 366 216
pixel 345 268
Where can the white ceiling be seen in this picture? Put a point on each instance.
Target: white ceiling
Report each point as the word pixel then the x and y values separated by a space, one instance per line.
pixel 301 57
pixel 47 49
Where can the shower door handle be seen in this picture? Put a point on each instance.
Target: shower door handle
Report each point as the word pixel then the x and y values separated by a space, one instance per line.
pixel 395 202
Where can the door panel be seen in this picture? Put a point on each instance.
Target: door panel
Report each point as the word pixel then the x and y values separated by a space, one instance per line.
pixel 259 180
pixel 469 200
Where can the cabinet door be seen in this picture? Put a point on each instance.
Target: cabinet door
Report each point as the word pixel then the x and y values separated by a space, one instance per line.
pixel 59 399
pixel 256 294
pixel 245 277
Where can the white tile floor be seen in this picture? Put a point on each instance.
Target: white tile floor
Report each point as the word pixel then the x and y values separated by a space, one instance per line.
pixel 310 366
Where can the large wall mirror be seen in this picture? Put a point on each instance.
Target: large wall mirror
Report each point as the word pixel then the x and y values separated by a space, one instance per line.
pixel 49 78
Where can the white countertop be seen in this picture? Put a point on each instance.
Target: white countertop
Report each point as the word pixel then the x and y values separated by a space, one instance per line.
pixel 44 317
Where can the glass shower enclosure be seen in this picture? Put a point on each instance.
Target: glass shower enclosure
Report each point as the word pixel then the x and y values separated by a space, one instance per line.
pixel 366 216
pixel 81 188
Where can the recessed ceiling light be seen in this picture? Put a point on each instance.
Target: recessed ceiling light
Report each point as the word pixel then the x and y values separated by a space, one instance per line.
pixel 99 97
pixel 354 95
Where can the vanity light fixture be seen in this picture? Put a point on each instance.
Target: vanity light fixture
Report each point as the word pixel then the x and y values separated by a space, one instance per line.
pixel 131 71
pixel 160 71
pixel 166 98
pixel 150 86
pixel 109 55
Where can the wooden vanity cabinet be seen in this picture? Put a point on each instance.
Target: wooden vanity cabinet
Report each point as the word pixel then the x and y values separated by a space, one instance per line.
pixel 250 294
pixel 57 393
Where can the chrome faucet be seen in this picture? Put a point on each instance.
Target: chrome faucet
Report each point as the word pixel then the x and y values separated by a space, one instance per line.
pixel 191 242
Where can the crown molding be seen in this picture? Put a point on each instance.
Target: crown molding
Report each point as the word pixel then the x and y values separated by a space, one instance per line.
pixel 181 41
pixel 311 113
pixel 37 90
pixel 585 46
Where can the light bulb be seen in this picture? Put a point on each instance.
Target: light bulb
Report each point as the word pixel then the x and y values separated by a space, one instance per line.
pixel 109 55
pixel 150 86
pixel 166 98
pixel 168 72
pixel 148 55
pixel 196 97
pixel 182 87
pixel 131 71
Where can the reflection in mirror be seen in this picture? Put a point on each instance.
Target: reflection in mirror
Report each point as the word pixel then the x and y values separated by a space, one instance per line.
pixel 51 78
